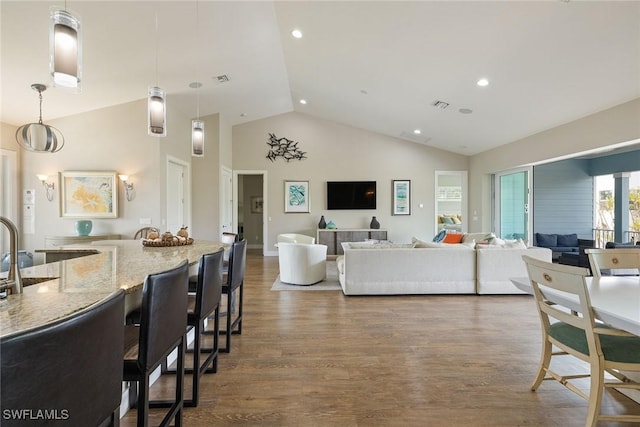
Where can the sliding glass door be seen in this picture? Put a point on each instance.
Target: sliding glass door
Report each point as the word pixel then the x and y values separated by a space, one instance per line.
pixel 512 204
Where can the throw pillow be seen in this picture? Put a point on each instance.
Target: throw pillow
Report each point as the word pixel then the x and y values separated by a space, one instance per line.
pixel 567 240
pixel 547 240
pixel 440 236
pixel 453 238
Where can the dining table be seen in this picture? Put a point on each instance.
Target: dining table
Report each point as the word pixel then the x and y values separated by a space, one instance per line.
pixel 615 299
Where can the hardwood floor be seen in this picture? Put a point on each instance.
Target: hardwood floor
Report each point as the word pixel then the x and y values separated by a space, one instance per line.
pixel 319 358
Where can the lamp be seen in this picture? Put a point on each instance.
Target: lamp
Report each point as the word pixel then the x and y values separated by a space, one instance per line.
pixel 49 186
pixel 128 186
pixel 65 50
pixel 157 112
pixel 197 125
pixel 197 138
pixel 156 104
pixel 38 136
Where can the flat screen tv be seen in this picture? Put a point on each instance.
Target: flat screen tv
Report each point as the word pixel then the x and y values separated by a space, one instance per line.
pixel 351 195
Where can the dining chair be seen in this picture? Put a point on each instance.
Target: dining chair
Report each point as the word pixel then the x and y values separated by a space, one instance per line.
pixel 144 232
pixel 162 327
pixel 627 259
pixel 71 367
pixel 575 333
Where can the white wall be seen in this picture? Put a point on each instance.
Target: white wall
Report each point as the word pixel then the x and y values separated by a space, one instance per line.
pixel 338 152
pixel 616 125
pixel 109 139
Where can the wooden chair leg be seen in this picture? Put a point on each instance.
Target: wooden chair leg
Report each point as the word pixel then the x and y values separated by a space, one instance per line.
pixel 545 360
pixel 595 395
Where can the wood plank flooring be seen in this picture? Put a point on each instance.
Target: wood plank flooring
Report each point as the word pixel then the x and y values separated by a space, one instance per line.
pixel 323 359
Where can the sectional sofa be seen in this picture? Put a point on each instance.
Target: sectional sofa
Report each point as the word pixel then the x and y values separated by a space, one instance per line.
pixel 466 268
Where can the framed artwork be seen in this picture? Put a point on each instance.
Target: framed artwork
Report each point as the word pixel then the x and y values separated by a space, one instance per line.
pixel 401 197
pixel 256 204
pixel 88 194
pixel 296 197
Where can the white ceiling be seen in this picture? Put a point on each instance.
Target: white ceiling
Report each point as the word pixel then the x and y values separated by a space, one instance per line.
pixel 373 65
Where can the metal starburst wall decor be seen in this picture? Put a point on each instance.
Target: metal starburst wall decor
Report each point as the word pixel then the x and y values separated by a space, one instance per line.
pixel 285 148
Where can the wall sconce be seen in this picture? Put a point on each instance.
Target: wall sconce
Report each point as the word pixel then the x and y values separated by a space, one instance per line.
pixel 65 50
pixel 49 186
pixel 128 187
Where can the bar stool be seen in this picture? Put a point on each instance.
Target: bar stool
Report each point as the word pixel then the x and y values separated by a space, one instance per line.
pixel 234 284
pixel 71 367
pixel 163 322
pixel 205 303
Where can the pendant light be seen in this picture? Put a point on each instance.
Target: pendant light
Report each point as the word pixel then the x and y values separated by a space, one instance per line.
pixel 65 50
pixel 197 125
pixel 156 103
pixel 39 137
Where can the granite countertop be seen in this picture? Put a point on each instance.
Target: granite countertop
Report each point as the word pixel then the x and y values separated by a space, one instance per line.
pixel 68 286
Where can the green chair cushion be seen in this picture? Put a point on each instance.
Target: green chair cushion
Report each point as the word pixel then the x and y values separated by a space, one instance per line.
pixel 614 348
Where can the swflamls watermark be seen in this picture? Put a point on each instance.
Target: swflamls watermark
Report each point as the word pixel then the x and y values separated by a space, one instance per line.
pixel 35 414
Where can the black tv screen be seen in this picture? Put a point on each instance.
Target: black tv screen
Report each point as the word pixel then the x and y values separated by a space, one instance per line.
pixel 351 195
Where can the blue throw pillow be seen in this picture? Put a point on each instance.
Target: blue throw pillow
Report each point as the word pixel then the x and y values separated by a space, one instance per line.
pixel 567 240
pixel 440 236
pixel 546 240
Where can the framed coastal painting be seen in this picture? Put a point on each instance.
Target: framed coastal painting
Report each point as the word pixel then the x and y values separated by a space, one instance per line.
pixel 401 197
pixel 296 197
pixel 87 194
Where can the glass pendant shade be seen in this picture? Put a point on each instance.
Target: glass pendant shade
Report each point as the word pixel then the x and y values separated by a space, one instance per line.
pixel 197 138
pixel 157 112
pixel 65 50
pixel 39 137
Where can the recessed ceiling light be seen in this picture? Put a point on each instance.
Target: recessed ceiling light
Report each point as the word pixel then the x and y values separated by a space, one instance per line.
pixel 417 131
pixel 303 101
pixel 296 34
pixel 243 114
pixel 195 85
pixel 483 82
pixel 466 110
pixel 364 91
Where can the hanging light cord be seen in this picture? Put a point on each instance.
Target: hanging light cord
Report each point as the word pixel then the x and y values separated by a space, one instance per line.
pixel 197 60
pixel 40 96
pixel 157 49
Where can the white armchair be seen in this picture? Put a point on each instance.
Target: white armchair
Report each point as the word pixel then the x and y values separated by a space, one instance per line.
pixel 296 238
pixel 302 263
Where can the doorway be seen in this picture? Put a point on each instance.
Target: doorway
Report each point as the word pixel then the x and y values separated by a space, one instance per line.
pixel 513 204
pixel 250 207
pixel 178 193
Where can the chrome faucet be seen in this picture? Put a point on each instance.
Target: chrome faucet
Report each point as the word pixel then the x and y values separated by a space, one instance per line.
pixel 13 278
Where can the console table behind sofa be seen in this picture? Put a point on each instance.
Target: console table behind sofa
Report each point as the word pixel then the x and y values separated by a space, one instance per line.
pixel 335 237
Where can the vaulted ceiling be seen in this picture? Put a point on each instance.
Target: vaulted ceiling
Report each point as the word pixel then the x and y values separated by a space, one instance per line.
pixel 376 65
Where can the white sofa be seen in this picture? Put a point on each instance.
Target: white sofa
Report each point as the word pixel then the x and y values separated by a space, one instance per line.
pixel 398 270
pixel 496 265
pixel 449 269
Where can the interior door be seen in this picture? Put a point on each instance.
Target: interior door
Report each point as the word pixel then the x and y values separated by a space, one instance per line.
pixel 513 204
pixel 176 184
pixel 226 201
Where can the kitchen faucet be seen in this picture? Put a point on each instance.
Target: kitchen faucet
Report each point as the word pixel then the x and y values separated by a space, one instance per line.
pixel 13 279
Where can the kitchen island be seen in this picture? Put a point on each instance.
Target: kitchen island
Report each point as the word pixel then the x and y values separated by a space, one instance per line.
pixel 65 287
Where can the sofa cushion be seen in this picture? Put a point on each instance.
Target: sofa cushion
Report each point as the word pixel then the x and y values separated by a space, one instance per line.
pixel 440 236
pixel 567 240
pixel 453 238
pixel 546 240
pixel 478 237
pixel 371 245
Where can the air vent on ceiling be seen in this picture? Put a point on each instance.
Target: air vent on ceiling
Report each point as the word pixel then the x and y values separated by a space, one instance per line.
pixel 440 104
pixel 415 138
pixel 223 78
